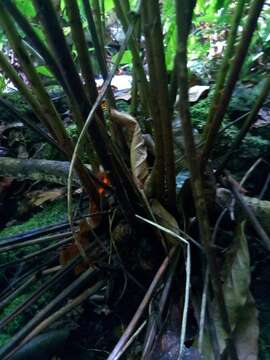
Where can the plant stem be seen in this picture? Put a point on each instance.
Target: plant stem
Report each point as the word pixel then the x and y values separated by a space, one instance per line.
pixel 159 84
pixel 98 22
pixel 239 58
pixel 58 44
pixel 158 173
pixel 145 95
pixel 81 46
pixel 48 57
pixel 220 83
pixel 41 315
pixel 98 49
pixel 183 26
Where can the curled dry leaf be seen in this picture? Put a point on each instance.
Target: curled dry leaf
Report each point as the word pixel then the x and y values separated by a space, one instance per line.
pixel 136 143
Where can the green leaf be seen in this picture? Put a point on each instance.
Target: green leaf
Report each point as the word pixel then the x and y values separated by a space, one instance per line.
pixel 44 70
pixel 109 5
pixel 126 59
pixel 26 8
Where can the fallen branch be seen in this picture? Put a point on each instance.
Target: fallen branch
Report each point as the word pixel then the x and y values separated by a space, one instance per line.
pixel 42 170
pixel 11 347
pixel 36 170
pixel 64 310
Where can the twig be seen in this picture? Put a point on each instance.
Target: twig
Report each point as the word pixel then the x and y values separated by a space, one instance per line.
pixel 265 186
pixel 203 309
pixel 125 337
pixel 61 312
pixel 56 278
pixel 250 170
pixel 41 240
pixel 38 253
pixel 12 346
pixel 130 341
pixel 29 123
pixel 152 325
pixel 187 285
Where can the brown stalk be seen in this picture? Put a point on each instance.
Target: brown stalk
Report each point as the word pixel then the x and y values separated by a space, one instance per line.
pixel 159 85
pixel 183 27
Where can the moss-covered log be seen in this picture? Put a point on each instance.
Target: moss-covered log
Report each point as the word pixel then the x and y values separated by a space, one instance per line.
pixel 41 170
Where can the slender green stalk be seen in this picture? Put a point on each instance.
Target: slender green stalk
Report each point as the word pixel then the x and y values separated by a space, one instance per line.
pixel 145 95
pixel 158 173
pixel 81 46
pixel 84 60
pixel 98 21
pixel 233 75
pixel 159 85
pixel 173 85
pixel 220 84
pixel 56 38
pixel 183 27
pixel 248 123
pixel 98 50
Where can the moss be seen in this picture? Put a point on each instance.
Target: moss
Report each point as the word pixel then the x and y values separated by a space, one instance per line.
pixel 17 100
pixel 51 214
pixel 252 147
pixel 15 324
pixel 72 131
pixel 4 339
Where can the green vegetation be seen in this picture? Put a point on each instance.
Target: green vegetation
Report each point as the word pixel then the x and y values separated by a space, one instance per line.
pixel 253 145
pixel 51 214
pixel 53 51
